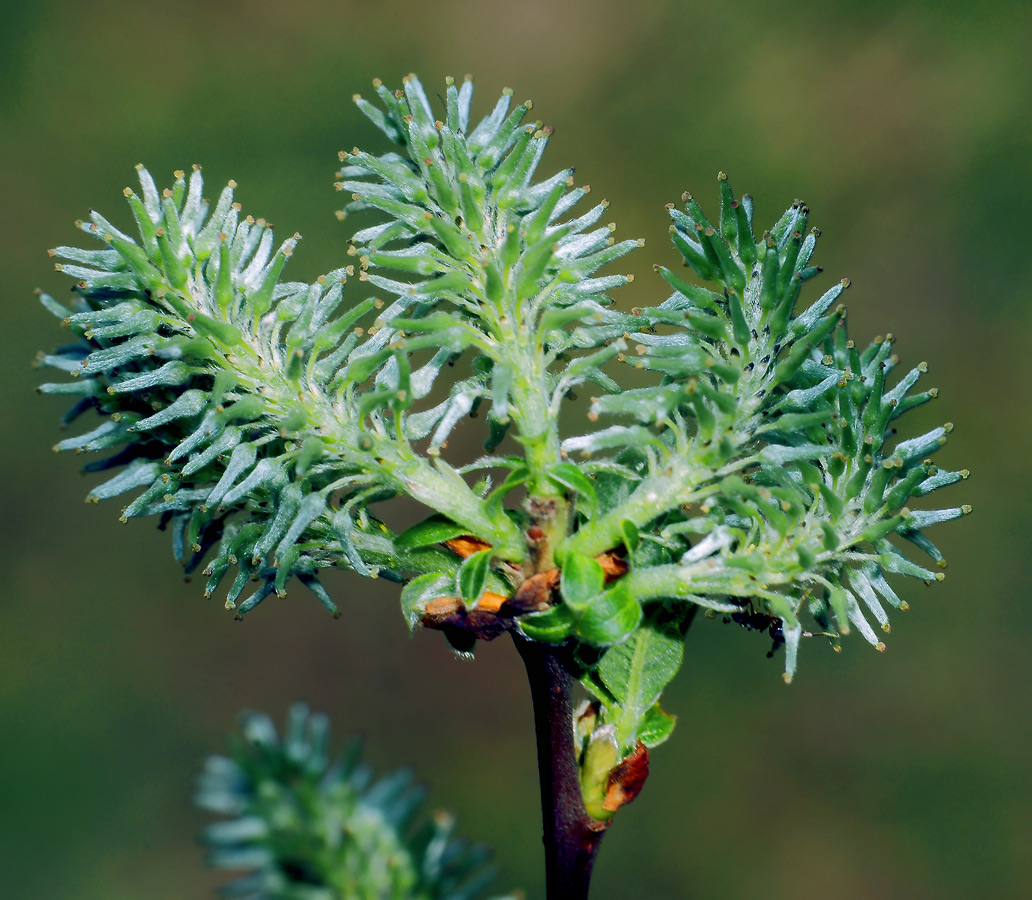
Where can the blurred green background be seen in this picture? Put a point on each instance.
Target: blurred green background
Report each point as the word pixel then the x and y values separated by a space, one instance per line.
pixel 905 126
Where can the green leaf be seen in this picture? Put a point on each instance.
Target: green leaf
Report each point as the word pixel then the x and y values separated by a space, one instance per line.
pixel 516 477
pixel 655 726
pixel 568 476
pixel 582 580
pixel 472 575
pixel 609 618
pixel 630 536
pixel 553 626
pixel 637 671
pixel 434 530
pixel 420 591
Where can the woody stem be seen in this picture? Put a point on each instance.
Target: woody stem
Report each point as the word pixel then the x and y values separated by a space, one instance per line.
pixel 571 835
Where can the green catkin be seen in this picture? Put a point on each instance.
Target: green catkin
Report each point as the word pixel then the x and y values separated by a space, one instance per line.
pixel 731 448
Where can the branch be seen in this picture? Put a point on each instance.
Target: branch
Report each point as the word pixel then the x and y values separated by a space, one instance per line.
pixel 571 836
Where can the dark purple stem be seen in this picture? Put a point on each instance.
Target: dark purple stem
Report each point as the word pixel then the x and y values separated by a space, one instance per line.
pixel 571 836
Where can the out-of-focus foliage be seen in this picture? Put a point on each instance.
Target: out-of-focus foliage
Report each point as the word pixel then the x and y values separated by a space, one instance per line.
pixel 305 826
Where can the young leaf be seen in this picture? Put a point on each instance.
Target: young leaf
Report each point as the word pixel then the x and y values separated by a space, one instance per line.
pixel 609 618
pixel 656 726
pixel 581 581
pixel 472 575
pixel 420 591
pixel 568 476
pixel 433 530
pixel 637 671
pixel 553 626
